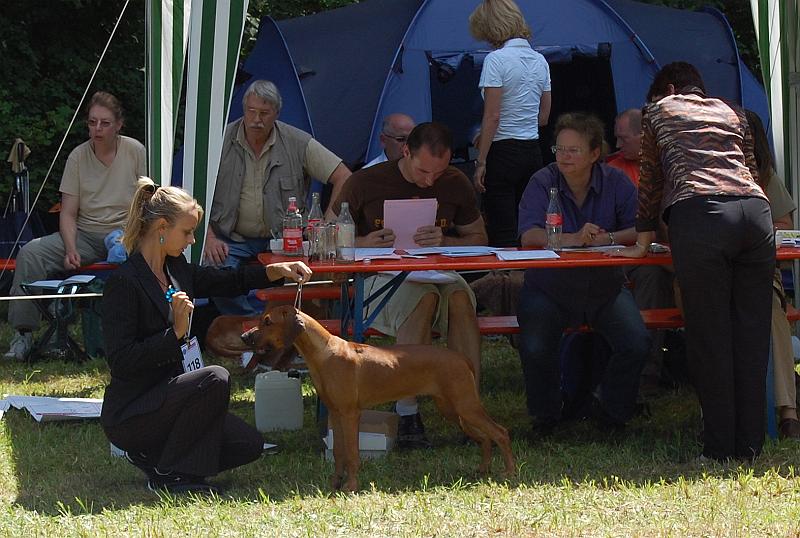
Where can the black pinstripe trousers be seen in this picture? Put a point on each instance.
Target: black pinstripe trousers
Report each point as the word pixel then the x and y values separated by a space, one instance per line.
pixel 724 255
pixel 192 432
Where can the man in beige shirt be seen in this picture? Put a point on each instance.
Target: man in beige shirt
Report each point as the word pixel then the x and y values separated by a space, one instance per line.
pixel 264 162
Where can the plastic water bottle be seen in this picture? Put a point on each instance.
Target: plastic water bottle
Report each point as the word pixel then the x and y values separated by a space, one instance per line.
pixel 314 217
pixel 345 236
pixel 554 220
pixel 293 230
pixel 279 402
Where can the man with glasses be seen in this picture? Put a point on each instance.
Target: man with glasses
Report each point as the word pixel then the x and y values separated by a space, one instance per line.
pixel 394 134
pixel 264 162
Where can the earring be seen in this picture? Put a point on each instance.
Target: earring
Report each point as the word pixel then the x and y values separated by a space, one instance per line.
pixel 161 239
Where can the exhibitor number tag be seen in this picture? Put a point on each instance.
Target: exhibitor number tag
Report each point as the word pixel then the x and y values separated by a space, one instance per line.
pixel 192 360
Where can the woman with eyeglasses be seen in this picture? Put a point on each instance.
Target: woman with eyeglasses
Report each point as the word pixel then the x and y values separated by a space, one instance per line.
pixel 515 83
pixel 97 186
pixel 599 208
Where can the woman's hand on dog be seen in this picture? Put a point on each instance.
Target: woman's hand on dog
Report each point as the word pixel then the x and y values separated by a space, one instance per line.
pixel 294 271
pixel 182 308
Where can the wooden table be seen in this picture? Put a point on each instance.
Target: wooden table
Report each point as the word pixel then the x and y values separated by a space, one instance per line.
pixel 363 269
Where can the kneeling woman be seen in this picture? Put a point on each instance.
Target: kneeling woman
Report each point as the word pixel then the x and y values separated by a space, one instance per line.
pixel 174 424
pixel 599 208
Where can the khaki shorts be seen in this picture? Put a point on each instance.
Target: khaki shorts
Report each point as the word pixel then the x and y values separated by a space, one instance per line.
pixel 406 299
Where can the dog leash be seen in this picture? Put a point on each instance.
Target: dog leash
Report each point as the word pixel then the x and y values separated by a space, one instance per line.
pixel 298 297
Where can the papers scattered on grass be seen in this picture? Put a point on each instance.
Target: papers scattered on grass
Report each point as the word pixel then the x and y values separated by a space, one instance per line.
pixel 513 255
pixel 47 409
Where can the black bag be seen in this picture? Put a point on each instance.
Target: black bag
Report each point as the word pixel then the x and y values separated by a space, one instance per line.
pixel 10 226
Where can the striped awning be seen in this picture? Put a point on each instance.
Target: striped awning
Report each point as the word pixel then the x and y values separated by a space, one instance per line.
pixel 777 24
pixel 213 34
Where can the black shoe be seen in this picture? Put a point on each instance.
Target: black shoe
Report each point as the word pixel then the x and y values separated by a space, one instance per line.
pixel 140 461
pixel 604 421
pixel 542 427
pixel 411 433
pixel 176 483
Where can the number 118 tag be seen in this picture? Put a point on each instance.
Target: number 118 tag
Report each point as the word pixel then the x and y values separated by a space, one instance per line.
pixel 192 360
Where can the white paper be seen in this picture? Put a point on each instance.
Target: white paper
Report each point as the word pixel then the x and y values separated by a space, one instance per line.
pixel 428 277
pixel 45 408
pixel 472 250
pixel 512 255
pixel 405 217
pixel 601 248
pixel 55 284
pixel 383 253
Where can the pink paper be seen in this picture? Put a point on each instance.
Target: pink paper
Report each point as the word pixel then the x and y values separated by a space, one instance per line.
pixel 405 217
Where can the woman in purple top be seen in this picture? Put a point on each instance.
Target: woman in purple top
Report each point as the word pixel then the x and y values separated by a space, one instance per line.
pixel 599 208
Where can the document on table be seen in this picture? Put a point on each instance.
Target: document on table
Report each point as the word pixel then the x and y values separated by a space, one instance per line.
pixel 46 409
pixel 601 248
pixel 372 253
pixel 461 250
pixel 405 217
pixel 513 255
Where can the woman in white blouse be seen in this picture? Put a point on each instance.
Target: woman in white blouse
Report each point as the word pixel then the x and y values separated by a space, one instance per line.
pixel 515 82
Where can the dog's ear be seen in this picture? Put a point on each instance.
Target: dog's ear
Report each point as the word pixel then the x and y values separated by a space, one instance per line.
pixel 292 328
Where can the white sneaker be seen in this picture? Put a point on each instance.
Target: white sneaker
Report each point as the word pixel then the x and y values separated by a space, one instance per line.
pixel 20 346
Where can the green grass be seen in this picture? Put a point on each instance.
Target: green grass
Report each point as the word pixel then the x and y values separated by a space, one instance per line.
pixel 58 479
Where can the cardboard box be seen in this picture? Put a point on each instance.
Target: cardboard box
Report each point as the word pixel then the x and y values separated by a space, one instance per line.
pixel 376 436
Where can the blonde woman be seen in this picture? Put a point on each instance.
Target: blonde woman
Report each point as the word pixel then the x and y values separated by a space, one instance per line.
pixel 515 82
pixel 173 421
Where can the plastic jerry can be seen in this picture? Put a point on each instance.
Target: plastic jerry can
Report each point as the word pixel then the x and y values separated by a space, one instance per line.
pixel 279 402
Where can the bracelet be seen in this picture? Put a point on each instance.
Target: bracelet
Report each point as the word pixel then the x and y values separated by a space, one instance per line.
pixel 611 238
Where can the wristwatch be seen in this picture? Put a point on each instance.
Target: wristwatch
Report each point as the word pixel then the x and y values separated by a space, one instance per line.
pixel 611 238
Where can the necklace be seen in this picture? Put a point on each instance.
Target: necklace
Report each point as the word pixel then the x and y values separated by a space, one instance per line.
pixel 163 284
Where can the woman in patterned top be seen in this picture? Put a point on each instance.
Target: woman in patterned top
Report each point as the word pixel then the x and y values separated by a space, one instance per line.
pixel 699 174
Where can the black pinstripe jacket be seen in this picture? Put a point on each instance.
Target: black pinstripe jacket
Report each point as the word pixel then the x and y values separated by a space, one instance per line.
pixel 141 347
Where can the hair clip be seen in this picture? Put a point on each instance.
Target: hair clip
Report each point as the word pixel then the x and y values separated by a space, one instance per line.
pixel 169 293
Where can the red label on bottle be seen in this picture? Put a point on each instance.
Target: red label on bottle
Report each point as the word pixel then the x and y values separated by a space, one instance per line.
pixel 314 222
pixel 292 240
pixel 554 219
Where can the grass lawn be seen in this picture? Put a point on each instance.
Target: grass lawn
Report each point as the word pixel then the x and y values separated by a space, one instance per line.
pixel 58 479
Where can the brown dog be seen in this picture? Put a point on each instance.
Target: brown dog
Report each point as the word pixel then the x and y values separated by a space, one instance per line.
pixel 350 377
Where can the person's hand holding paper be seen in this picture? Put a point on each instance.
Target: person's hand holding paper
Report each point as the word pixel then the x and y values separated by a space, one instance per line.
pixel 428 236
pixel 378 239
pixel 412 221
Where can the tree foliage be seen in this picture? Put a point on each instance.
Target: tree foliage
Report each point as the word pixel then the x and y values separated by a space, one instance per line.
pixel 50 50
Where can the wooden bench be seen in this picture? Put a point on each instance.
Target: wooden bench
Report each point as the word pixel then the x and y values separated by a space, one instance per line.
pixel 657 318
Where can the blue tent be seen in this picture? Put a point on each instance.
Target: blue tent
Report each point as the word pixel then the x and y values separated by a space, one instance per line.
pixel 341 71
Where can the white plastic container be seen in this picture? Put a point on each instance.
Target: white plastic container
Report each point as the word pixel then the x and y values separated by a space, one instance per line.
pixel 279 402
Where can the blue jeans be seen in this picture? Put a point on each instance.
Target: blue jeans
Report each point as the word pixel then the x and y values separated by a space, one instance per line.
pixel 542 322
pixel 239 252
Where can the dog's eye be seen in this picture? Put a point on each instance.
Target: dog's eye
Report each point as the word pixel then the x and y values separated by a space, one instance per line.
pixel 267 321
